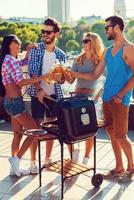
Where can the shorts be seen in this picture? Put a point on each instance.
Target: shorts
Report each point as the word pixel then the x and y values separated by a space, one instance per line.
pixel 38 109
pixel 116 115
pixel 14 106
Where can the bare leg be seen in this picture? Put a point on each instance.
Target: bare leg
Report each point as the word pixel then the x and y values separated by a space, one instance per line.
pixel 120 114
pixel 17 128
pixel 33 150
pixel 26 144
pixel 27 121
pixel 49 146
pixel 117 150
pixel 16 144
pixel 70 148
pixel 89 145
pixel 127 148
pixel 33 147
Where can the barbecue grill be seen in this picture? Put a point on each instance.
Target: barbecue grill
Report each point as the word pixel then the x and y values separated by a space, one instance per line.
pixel 76 121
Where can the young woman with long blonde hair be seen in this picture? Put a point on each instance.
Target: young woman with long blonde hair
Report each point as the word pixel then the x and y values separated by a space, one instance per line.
pixel 92 49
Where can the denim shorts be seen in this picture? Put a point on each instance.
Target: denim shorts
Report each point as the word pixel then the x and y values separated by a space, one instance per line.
pixel 14 106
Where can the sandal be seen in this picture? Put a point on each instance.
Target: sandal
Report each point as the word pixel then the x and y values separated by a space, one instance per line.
pixel 127 176
pixel 114 173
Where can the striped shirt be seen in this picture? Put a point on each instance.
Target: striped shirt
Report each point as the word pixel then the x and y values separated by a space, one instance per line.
pixel 11 69
pixel 36 61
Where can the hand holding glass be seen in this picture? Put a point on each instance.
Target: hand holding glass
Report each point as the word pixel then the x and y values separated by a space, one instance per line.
pixel 69 75
pixel 55 75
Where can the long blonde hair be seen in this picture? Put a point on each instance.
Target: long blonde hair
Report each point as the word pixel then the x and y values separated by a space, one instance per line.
pixel 96 49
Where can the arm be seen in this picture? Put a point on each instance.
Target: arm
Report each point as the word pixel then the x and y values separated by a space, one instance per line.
pixel 68 76
pixel 35 80
pixel 68 73
pixel 32 66
pixel 31 80
pixel 28 48
pixel 17 75
pixel 36 85
pixel 129 59
pixel 128 86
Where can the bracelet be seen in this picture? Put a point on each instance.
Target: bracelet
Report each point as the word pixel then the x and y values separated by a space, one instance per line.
pixel 39 89
pixel 119 97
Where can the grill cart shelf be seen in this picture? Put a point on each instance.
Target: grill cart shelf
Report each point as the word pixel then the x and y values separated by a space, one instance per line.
pixel 66 167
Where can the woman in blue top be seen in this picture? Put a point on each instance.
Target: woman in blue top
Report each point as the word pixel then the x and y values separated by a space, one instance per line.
pixel 84 63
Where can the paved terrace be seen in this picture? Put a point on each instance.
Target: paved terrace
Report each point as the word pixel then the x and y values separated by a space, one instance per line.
pixel 76 188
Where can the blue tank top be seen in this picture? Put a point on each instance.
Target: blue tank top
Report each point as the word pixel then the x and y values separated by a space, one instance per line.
pixel 117 75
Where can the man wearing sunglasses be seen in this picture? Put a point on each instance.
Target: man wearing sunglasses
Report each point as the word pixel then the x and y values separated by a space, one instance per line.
pixel 118 59
pixel 41 60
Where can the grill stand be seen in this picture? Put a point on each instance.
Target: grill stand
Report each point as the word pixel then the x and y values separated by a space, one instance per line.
pixel 59 167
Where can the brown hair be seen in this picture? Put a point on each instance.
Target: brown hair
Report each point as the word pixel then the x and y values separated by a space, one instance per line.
pixel 52 22
pixel 116 20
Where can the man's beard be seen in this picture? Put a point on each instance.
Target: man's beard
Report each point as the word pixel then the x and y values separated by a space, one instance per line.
pixel 50 40
pixel 110 37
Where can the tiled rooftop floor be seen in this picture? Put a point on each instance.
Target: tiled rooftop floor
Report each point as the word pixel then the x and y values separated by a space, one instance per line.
pixel 76 188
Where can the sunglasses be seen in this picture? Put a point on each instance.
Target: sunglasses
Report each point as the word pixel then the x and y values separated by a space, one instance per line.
pixel 86 41
pixel 47 32
pixel 110 25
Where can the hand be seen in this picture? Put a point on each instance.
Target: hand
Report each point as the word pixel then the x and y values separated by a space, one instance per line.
pixel 55 75
pixel 69 77
pixel 117 99
pixel 49 77
pixel 40 95
pixel 32 45
pixel 59 74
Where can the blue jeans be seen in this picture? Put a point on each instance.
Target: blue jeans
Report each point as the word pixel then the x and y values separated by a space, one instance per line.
pixel 14 106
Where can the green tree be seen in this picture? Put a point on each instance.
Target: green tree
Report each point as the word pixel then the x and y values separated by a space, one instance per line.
pixel 81 22
pixel 67 34
pixel 26 36
pixel 130 34
pixel 4 23
pixel 130 25
pixel 12 26
pixel 69 39
pixel 80 29
pixel 72 45
pixel 4 31
pixel 100 29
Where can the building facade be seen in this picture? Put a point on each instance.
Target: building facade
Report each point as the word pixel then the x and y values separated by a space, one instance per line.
pixel 120 8
pixel 59 9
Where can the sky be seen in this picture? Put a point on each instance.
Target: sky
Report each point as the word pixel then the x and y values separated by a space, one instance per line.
pixel 78 8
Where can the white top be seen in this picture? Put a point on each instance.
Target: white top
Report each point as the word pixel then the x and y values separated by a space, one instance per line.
pixel 48 61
